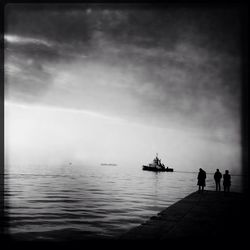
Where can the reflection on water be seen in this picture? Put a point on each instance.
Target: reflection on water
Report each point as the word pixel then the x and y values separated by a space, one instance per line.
pixel 76 202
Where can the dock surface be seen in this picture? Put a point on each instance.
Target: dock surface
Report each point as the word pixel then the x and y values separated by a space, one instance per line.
pixel 208 215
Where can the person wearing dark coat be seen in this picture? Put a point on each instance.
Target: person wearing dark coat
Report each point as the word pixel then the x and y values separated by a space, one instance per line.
pixel 201 180
pixel 217 178
pixel 226 181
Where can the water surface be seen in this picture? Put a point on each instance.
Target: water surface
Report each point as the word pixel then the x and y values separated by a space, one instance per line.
pixel 81 202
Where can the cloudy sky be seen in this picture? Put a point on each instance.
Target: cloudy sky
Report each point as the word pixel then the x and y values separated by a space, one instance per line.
pixel 119 83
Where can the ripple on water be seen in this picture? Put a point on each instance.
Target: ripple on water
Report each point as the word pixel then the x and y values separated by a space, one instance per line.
pixel 93 204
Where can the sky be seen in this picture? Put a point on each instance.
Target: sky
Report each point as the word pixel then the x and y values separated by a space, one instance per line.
pixel 102 83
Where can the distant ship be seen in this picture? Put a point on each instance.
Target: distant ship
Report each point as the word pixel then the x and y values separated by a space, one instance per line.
pixel 108 164
pixel 157 166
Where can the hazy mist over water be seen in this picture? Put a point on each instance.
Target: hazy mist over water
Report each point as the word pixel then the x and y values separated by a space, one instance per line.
pixel 47 136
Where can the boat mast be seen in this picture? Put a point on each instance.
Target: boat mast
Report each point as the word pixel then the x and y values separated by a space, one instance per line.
pixel 157 160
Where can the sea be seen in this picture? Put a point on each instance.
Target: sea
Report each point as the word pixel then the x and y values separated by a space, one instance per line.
pixel 75 202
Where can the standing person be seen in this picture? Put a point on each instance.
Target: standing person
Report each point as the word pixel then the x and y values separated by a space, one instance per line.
pixel 217 178
pixel 226 181
pixel 201 180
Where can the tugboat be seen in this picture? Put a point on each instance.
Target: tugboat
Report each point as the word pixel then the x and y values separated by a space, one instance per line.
pixel 157 166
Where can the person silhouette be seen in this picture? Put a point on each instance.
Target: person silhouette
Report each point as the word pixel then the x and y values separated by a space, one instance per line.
pixel 226 181
pixel 217 178
pixel 201 180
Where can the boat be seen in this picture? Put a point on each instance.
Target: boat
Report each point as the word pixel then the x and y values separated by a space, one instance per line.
pixel 157 166
pixel 108 164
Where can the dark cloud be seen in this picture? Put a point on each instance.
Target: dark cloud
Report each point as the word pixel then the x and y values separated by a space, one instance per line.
pixel 165 66
pixel 218 28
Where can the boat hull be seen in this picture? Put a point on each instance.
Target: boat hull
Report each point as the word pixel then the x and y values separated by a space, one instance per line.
pixel 154 169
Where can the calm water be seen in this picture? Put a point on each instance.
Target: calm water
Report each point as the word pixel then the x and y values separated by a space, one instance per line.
pixel 76 202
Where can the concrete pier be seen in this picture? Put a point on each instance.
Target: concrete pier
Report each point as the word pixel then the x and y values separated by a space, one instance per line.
pixel 202 216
